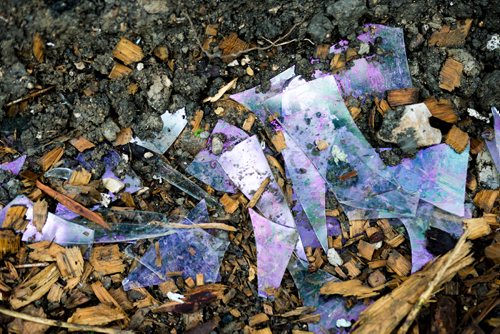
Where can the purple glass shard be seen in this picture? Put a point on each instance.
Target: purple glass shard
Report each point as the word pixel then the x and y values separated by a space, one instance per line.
pixel 385 70
pixel 173 124
pixel 439 174
pixel 309 187
pixel 190 251
pixel 14 166
pixel 205 166
pixel 493 144
pixel 252 99
pixel 275 244
pixel 429 216
pixel 330 308
pixel 246 165
pixel 55 229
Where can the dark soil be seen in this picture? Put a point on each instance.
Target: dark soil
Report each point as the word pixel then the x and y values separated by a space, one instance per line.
pixel 80 37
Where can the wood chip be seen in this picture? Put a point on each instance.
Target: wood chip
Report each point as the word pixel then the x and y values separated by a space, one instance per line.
pixel 357 227
pixel 127 51
pixel 476 146
pixel 161 52
pixel 478 227
pixel 448 37
pixel 70 263
pixel 348 288
pixel 98 315
pixel 55 293
pixel 81 143
pixel 196 122
pixel 44 251
pixel 200 279
pixel 376 279
pixel 222 91
pixel 322 51
pixel 403 96
pixel 118 71
pixel 355 112
pixel 15 218
pixel 50 158
pixel 352 269
pixel 321 145
pixel 230 204
pixel 398 263
pixel 485 199
pixel 257 319
pixel 450 75
pixel 278 141
pixel 123 137
pixel 457 139
pixel 73 205
pixel 10 242
pixel 253 201
pixel 107 260
pixel 366 250
pixel 34 288
pixel 80 177
pixel 40 212
pixel 441 109
pixel 104 296
pixel 38 47
pixel 121 298
pixel 247 125
pixel 189 282
pixel 211 29
pixel 492 252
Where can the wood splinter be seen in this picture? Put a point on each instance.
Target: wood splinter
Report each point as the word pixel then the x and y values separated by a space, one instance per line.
pixel 258 193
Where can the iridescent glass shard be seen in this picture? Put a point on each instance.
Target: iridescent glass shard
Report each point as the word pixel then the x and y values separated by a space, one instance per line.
pixel 173 124
pixel 252 98
pixel 308 186
pixel 493 144
pixel 330 308
pixel 246 165
pixel 275 244
pixel 439 174
pixel 14 166
pixel 178 180
pixel 429 216
pixel 59 173
pixel 190 251
pixel 205 166
pixel 377 73
pixel 55 229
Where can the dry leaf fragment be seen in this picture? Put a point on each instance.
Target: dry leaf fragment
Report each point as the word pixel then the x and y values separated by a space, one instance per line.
pixel 50 158
pixel 40 212
pixel 196 122
pixel 450 75
pixel 38 48
pixel 161 52
pixel 448 37
pixel 232 45
pixel 128 52
pixel 119 71
pixel 441 109
pixel 123 137
pixel 221 91
pixel 457 139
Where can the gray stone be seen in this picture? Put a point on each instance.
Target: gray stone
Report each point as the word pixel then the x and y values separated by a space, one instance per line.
pixel 217 145
pixel 347 14
pixel 110 129
pixel 487 174
pixel 319 28
pixel 159 92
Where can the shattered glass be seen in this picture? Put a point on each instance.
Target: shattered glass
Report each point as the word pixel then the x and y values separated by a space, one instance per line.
pixel 59 173
pixel 493 144
pixel 173 124
pixel 190 251
pixel 205 166
pixel 330 308
pixel 55 229
pixel 14 166
pixel 438 174
pixel 275 244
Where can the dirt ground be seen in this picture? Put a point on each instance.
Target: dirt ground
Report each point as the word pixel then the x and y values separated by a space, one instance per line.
pixel 79 37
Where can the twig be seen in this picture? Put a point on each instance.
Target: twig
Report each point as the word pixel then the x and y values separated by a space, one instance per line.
pixel 28 265
pixel 63 324
pixel 276 43
pixel 258 193
pixel 437 281
pixel 29 96
pixel 73 205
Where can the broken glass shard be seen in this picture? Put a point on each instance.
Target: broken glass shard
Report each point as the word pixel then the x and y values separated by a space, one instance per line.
pixel 247 166
pixel 59 173
pixel 190 251
pixel 429 216
pixel 439 174
pixel 205 166
pixel 14 166
pixel 384 70
pixel 275 244
pixel 493 144
pixel 173 124
pixel 308 186
pixel 55 229
pixel 130 179
pixel 178 180
pixel 330 308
